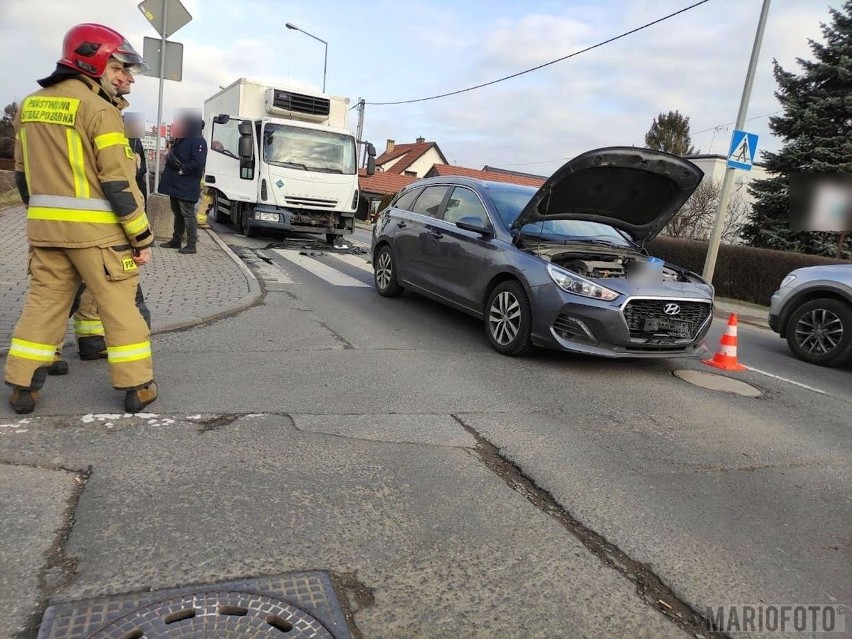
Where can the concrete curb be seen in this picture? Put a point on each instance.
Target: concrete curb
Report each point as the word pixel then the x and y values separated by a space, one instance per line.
pixel 249 299
pixel 753 320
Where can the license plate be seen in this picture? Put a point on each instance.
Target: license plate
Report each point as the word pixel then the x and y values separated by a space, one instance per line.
pixel 673 327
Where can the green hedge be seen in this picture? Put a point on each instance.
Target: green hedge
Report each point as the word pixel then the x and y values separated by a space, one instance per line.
pixel 742 272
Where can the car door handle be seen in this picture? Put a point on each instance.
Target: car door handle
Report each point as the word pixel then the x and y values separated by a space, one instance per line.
pixel 401 225
pixel 437 235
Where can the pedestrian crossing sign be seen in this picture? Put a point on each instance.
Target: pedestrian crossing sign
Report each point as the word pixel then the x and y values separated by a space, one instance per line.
pixel 741 153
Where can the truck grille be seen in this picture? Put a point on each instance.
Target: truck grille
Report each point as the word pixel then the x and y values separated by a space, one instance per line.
pixel 311 203
pixel 300 103
pixel 648 321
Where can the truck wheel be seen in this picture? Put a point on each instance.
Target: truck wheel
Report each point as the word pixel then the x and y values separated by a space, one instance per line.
pixel 218 216
pixel 245 225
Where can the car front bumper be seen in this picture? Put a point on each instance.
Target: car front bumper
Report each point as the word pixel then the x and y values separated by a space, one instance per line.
pixel 611 329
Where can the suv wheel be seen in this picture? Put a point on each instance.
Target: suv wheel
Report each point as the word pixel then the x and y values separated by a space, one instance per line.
pixel 508 319
pixel 820 332
pixel 384 273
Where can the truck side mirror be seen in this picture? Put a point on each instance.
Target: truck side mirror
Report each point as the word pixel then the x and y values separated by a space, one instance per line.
pixel 371 165
pixel 245 148
pixel 222 118
pixel 371 150
pixel 245 127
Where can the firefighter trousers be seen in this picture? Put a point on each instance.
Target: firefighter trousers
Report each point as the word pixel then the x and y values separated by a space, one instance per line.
pixel 87 322
pixel 55 275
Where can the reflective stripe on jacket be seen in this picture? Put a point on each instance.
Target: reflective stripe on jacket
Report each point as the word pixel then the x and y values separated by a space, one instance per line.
pixel 80 171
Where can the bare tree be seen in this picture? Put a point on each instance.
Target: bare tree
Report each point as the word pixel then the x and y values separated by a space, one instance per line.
pixel 695 218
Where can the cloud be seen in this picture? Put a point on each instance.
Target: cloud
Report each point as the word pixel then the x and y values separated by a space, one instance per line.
pixel 386 50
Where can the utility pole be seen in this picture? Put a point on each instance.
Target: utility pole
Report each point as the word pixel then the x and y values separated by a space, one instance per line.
pixel 160 101
pixel 361 145
pixel 728 182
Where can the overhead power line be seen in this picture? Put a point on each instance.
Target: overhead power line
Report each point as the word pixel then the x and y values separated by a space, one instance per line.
pixel 546 64
pixel 721 126
pixel 712 128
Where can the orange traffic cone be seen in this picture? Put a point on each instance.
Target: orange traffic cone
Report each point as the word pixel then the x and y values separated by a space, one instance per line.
pixel 726 357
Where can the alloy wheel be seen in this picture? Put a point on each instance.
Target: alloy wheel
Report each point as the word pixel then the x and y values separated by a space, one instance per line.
pixel 819 331
pixel 384 270
pixel 504 318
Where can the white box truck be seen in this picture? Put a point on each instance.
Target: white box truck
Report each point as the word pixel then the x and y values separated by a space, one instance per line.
pixel 282 159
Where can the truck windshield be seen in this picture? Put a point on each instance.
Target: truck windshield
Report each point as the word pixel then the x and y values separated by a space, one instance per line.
pixel 308 149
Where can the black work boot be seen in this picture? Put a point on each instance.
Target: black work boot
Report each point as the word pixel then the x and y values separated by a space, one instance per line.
pixel 138 398
pixel 92 347
pixel 59 367
pixel 188 250
pixel 23 400
pixel 170 244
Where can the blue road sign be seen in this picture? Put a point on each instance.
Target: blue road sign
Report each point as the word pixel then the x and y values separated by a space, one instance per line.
pixel 741 153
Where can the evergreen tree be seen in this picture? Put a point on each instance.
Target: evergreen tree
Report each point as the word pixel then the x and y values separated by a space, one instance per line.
pixel 816 127
pixel 669 132
pixel 7 130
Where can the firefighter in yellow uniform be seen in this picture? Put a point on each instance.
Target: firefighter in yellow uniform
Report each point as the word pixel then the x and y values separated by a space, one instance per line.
pixel 88 328
pixel 85 217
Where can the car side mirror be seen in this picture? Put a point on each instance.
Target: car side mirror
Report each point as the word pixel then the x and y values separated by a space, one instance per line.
pixel 371 165
pixel 473 224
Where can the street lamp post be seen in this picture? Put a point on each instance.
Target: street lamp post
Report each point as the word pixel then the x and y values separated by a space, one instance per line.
pixel 292 26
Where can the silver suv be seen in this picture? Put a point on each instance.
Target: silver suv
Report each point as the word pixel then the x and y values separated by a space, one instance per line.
pixel 813 310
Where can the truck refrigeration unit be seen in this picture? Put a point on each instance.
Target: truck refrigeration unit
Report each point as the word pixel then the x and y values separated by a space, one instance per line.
pixel 282 159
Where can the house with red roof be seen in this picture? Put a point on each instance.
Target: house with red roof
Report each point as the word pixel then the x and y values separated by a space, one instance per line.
pixel 410 159
pixel 402 164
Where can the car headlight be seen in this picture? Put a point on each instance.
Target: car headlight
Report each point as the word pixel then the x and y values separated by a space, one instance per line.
pixel 787 281
pixel 573 283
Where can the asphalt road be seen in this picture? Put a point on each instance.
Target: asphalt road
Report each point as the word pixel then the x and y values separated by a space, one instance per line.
pixel 466 493
pixel 765 351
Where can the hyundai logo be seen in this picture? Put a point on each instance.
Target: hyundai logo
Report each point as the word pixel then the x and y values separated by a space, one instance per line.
pixel 671 309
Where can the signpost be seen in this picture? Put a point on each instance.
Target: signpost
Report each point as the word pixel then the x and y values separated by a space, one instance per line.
pixel 166 16
pixel 742 148
pixel 151 50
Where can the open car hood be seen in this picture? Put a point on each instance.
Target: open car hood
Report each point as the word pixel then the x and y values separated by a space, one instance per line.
pixel 633 189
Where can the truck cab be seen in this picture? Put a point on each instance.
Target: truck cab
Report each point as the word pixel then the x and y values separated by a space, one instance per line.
pixel 281 160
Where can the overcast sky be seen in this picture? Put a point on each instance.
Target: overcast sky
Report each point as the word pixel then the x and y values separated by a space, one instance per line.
pixel 388 50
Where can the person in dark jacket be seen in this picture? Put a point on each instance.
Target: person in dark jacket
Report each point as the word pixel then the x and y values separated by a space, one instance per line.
pixel 181 181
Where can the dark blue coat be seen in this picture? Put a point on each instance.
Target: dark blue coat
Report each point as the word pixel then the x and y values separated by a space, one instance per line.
pixel 185 166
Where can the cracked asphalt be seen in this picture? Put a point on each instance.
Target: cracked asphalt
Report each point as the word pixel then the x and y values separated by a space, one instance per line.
pixel 450 491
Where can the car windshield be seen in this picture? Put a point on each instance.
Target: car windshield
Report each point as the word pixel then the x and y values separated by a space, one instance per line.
pixel 308 149
pixel 510 200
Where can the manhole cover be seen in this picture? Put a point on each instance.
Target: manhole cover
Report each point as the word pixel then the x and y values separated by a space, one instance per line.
pixel 287 607
pixel 718 383
pixel 218 615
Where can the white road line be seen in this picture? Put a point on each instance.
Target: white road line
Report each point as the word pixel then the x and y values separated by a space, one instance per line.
pixel 789 381
pixel 322 271
pixel 358 261
pixel 273 273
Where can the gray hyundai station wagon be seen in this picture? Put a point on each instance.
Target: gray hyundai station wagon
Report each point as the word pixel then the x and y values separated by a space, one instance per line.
pixel 562 266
